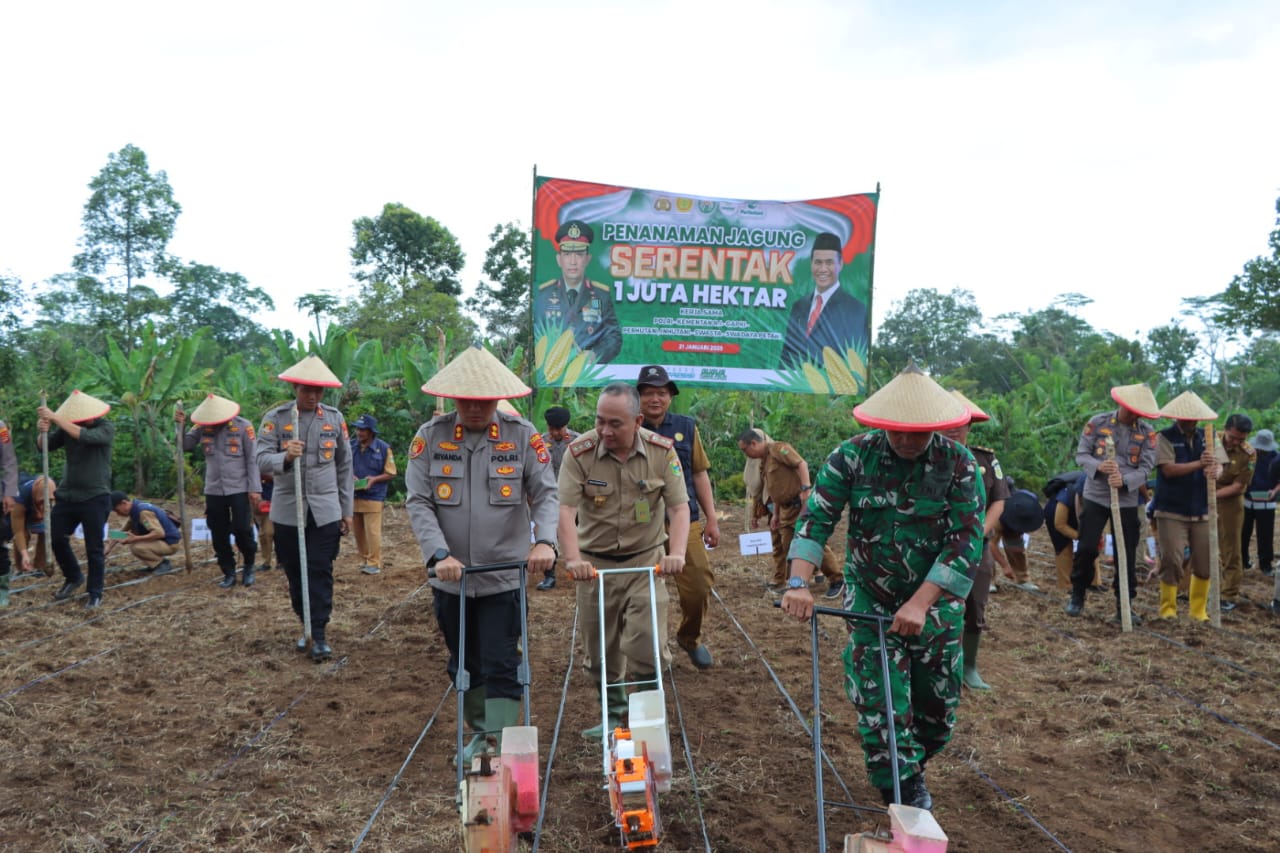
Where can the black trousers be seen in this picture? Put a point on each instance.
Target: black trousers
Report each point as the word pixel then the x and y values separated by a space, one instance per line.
pixel 323 542
pixel 91 515
pixel 1265 520
pixel 229 514
pixel 1093 521
pixel 493 636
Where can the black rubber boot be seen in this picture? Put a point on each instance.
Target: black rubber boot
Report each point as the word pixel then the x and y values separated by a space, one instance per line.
pixel 247 578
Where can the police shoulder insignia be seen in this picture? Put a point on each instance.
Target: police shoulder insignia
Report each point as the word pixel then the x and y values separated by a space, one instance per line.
pixel 268 427
pixel 995 468
pixel 675 464
pixel 417 446
pixel 457 433
pixel 1088 428
pixel 4 433
pixel 582 445
pixel 599 285
pixel 249 432
pixel 660 440
pixel 345 434
pixel 493 431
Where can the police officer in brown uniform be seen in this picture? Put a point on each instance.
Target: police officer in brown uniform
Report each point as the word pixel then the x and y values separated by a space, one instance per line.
pixel 997 490
pixel 321 446
pixel 1237 458
pixel 694 583
pixel 476 478
pixel 616 485
pixel 232 481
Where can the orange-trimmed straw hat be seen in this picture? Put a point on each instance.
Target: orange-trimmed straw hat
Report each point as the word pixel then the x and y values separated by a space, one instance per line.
pixel 214 410
pixel 976 415
pixel 1188 406
pixel 912 402
pixel 81 407
pixel 476 374
pixel 311 371
pixel 1137 399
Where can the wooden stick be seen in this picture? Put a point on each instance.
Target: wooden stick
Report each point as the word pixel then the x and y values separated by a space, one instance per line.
pixel 301 516
pixel 1215 571
pixel 1117 539
pixel 48 520
pixel 182 487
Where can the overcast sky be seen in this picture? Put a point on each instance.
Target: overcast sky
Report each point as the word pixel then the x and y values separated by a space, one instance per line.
pixel 1024 150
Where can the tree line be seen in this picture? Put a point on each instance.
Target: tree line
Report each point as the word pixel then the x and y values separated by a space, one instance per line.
pixel 105 328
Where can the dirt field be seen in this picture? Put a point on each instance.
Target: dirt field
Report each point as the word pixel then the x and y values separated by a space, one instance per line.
pixel 180 717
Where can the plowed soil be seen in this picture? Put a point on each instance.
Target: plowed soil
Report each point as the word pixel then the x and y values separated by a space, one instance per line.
pixel 180 717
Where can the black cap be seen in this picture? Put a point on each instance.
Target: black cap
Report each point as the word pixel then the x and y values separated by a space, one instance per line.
pixel 828 242
pixel 574 236
pixel 656 375
pixel 556 417
pixel 116 497
pixel 1022 512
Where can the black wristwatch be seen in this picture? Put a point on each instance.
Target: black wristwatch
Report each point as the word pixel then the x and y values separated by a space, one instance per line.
pixel 549 544
pixel 440 554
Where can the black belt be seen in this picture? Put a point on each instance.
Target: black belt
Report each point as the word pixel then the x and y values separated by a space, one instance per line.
pixel 618 558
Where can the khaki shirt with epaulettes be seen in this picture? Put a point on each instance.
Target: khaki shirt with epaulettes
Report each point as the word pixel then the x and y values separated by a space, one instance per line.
pixel 474 493
pixel 622 505
pixel 327 486
pixel 1237 467
pixel 230 454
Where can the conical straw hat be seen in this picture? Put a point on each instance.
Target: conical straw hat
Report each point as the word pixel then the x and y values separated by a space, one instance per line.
pixel 81 407
pixel 311 371
pixel 912 402
pixel 505 406
pixel 1137 399
pixel 215 410
pixel 476 374
pixel 1188 406
pixel 975 413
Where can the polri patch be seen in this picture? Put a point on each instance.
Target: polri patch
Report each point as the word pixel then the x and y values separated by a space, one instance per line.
pixel 417 446
pixel 444 491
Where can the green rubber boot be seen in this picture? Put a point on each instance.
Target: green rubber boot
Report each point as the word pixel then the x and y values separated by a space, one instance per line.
pixel 500 713
pixel 617 698
pixel 972 679
pixel 473 708
pixel 4 590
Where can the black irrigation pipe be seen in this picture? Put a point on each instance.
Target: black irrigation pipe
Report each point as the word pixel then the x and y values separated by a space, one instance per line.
pixel 1229 664
pixel 1017 805
pixel 70 628
pixel 688 757
pixel 795 709
pixel 555 735
pixel 395 780
pixel 48 675
pixel 1219 717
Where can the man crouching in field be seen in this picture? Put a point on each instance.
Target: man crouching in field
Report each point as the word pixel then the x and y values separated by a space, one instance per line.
pixel 915 538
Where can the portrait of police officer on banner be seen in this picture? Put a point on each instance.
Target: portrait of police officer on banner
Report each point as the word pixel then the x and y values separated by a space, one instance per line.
pixel 573 301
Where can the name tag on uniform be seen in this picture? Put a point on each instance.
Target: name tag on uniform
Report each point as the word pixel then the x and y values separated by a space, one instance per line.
pixel 643 515
pixel 597 483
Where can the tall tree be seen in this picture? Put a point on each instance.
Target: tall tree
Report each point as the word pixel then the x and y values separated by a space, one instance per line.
pixel 1172 348
pixel 406 249
pixel 1252 301
pixel 222 303
pixel 317 304
pixel 929 327
pixel 128 222
pixel 503 301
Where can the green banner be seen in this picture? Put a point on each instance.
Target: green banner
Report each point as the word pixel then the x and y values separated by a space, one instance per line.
pixel 724 293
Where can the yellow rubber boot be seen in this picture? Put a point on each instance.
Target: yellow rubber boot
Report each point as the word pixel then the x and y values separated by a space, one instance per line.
pixel 1168 600
pixel 1199 598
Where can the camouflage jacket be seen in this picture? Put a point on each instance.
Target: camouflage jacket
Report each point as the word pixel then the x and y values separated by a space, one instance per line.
pixel 910 521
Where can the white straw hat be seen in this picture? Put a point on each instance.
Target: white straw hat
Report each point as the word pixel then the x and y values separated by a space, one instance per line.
pixel 976 414
pixel 1188 406
pixel 1137 399
pixel 912 402
pixel 476 374
pixel 505 406
pixel 81 407
pixel 214 410
pixel 311 371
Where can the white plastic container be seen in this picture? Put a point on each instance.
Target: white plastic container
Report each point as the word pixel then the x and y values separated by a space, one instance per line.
pixel 915 830
pixel 648 716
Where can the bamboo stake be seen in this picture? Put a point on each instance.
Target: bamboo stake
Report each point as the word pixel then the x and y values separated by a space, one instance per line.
pixel 1117 539
pixel 1215 571
pixel 182 487
pixel 301 517
pixel 48 520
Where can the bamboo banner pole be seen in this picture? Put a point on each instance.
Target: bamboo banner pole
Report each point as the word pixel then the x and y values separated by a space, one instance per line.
pixel 1118 545
pixel 48 520
pixel 301 516
pixel 1215 571
pixel 182 486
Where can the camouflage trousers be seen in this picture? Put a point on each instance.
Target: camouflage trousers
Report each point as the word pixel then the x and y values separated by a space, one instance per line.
pixel 924 683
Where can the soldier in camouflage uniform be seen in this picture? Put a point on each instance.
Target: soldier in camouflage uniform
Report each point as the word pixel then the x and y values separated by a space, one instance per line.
pixel 915 539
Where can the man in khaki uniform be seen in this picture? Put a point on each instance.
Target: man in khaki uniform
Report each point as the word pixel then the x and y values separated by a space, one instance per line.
pixel 320 445
pixel 784 478
pixel 617 484
pixel 477 477
pixel 1236 456
pixel 150 535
